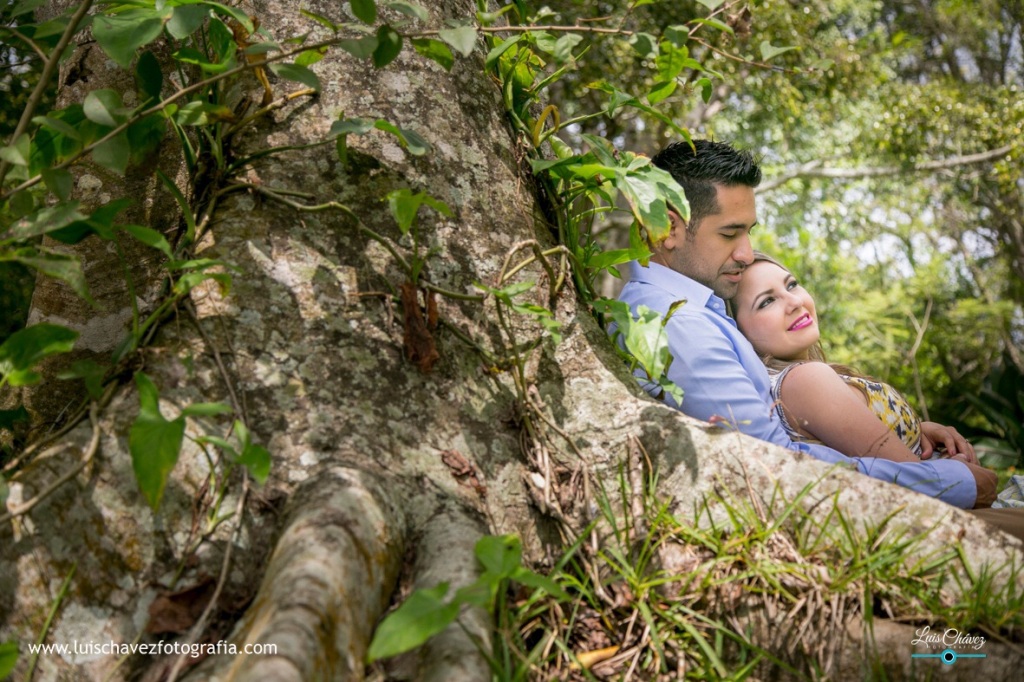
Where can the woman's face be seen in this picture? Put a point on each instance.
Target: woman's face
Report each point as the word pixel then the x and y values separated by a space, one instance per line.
pixel 775 313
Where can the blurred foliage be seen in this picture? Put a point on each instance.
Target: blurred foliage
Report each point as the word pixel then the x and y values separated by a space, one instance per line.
pixel 19 74
pixel 918 274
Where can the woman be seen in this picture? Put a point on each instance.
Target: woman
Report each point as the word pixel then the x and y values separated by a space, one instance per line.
pixel 817 401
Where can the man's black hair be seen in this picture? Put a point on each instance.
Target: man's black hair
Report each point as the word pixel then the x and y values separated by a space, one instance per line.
pixel 699 168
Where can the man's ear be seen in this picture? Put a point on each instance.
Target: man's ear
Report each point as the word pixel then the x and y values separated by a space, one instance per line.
pixel 677 233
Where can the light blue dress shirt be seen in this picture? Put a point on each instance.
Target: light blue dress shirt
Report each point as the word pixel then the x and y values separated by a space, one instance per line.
pixel 720 374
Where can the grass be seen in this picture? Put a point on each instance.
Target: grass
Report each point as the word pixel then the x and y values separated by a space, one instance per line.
pixel 753 589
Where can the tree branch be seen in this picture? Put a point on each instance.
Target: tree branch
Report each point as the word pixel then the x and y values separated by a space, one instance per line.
pixel 816 169
pixel 49 68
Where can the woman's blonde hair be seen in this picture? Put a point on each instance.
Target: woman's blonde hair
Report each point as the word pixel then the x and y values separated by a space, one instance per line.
pixel 815 353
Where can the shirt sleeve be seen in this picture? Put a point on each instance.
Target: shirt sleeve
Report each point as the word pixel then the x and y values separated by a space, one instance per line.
pixel 708 369
pixel 714 382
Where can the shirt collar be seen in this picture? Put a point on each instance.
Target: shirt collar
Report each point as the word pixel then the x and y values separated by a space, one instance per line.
pixel 679 285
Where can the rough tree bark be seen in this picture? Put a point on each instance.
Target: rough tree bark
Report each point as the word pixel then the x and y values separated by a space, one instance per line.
pixel 369 488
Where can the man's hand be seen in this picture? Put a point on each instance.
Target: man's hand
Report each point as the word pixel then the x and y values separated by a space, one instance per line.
pixel 956 446
pixel 986 481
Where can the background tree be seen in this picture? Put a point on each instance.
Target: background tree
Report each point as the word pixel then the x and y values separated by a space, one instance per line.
pixel 890 140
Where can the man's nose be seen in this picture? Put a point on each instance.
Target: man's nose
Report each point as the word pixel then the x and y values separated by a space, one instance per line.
pixel 744 252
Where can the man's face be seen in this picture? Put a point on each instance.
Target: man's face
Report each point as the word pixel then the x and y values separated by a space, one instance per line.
pixel 719 250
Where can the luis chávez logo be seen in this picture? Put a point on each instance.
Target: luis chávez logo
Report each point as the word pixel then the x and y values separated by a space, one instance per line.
pixel 952 644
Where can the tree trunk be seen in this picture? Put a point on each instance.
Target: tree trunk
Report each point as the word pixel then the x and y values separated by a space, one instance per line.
pixel 383 475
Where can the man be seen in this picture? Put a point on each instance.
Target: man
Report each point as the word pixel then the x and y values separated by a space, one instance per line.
pixel 702 262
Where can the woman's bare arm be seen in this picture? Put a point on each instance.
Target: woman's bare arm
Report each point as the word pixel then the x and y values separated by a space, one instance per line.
pixel 818 400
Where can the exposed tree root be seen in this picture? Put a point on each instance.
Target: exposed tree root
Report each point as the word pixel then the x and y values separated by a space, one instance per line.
pixel 445 553
pixel 327 582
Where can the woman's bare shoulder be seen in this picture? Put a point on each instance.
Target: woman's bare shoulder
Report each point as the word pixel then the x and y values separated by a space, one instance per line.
pixel 810 379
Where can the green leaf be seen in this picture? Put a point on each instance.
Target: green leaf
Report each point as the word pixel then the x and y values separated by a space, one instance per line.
pixel 363 48
pixel 145 136
pixel 46 220
pixel 58 181
pixel 222 40
pixel 499 555
pixel 500 49
pixel 154 442
pixel 121 34
pixel 716 24
pixel 711 4
pixel 410 139
pixel 506 294
pixel 188 55
pixel 768 51
pixel 678 35
pixel 148 76
pixel 101 221
pixel 351 126
pixel 320 19
pixel 190 280
pixel 706 89
pixel 365 10
pixel 310 57
pixel 612 257
pixel 295 72
pixel 645 338
pixel 670 60
pixel 462 38
pixel 410 9
pixel 104 107
pixel 405 205
pixel 186 19
pixel 565 45
pixel 24 7
pixel 661 91
pixel 54 27
pixel 257 460
pixel 90 372
pixel 206 410
pixel 61 266
pixel 225 446
pixel 650 191
pixel 435 50
pixel 19 152
pixel 342 129
pixel 8 658
pixel 149 237
pixel 8 419
pixel 21 204
pixel 389 44
pixel 114 153
pixel 420 617
pixel 193 114
pixel 266 47
pixel 537 581
pixel 58 126
pixel 235 13
pixel 25 348
pixel 643 43
pixel 545 317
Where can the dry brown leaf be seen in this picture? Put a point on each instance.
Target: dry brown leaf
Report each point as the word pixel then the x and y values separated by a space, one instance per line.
pixel 419 342
pixel 464 470
pixel 178 611
pixel 589 659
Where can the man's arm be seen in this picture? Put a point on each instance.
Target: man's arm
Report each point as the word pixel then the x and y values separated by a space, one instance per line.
pixel 707 366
